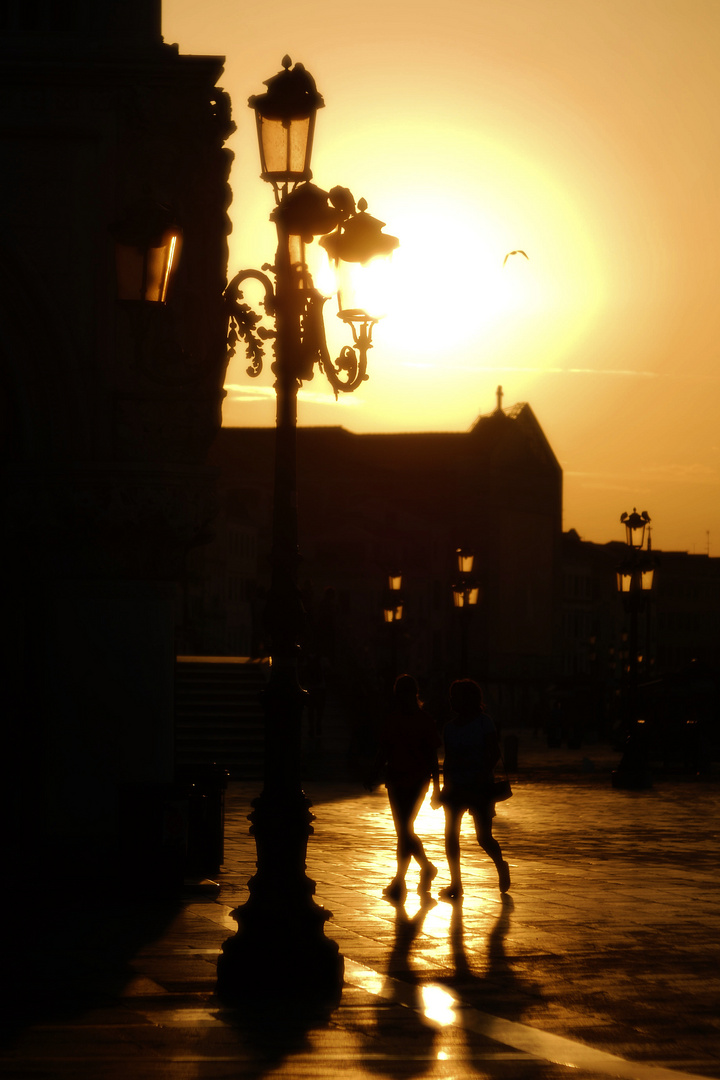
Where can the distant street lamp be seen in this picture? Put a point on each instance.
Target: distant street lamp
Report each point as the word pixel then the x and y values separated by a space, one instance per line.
pixel 392 614
pixel 635 580
pixel 280 947
pixel 466 597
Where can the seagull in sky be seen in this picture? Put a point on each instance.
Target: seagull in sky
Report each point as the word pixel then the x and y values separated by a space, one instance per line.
pixel 517 252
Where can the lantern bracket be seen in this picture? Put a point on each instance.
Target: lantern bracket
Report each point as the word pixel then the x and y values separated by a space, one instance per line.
pixel 243 321
pixel 349 370
pixel 344 374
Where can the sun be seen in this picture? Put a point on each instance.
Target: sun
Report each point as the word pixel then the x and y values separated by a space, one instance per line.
pixel 450 283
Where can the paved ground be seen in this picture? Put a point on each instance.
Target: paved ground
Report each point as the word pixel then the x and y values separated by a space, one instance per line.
pixel 604 959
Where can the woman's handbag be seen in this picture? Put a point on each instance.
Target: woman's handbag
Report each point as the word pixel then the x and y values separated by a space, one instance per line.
pixel 501 790
pixel 501 787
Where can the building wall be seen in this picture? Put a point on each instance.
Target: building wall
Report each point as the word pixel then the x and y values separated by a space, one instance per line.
pixel 107 409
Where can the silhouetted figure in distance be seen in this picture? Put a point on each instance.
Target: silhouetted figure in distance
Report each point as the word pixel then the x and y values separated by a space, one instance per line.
pixel 471 752
pixel 408 750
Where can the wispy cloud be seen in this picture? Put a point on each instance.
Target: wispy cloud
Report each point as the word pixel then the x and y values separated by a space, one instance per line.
pixel 535 369
pixel 696 473
pixel 250 394
pixel 598 481
pixel 652 474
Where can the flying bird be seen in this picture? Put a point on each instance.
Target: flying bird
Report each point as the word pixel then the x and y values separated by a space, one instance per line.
pixel 518 252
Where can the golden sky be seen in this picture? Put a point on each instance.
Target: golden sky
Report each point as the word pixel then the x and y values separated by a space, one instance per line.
pixel 585 132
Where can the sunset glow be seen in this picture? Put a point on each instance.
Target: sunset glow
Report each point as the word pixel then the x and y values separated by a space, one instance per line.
pixel 582 134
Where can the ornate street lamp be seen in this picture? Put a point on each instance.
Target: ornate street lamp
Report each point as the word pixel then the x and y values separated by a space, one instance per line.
pixel 393 605
pixel 392 614
pixel 635 525
pixel 466 596
pixel 280 945
pixel 635 579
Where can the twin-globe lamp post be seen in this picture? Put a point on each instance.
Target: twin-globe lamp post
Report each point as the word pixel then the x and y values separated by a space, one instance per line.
pixel 280 945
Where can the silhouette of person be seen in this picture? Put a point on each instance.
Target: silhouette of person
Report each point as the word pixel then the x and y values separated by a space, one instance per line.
pixel 471 752
pixel 408 750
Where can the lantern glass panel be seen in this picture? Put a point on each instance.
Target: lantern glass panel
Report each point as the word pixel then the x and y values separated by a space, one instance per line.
pixel 285 147
pixel 363 288
pixel 646 580
pixel 473 595
pixel 465 561
pixel 624 581
pixel 459 598
pixel 395 582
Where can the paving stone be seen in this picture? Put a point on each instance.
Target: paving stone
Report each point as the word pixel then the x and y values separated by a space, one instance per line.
pixel 609 938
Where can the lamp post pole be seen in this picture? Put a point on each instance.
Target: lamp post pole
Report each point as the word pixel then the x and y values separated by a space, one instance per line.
pixel 280 950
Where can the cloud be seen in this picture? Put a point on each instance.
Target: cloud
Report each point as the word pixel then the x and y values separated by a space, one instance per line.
pixel 249 395
pixel 696 473
pixel 685 474
pixel 534 369
pixel 597 481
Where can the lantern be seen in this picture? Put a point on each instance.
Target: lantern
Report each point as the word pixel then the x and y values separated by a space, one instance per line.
pixel 147 246
pixel 285 118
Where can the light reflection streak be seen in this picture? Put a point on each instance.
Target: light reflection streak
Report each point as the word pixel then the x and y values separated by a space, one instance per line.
pixel 438 1005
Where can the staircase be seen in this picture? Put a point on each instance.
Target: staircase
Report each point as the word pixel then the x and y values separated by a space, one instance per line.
pixel 218 714
pixel 219 721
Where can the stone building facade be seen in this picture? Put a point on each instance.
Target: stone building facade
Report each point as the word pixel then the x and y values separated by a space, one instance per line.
pixel 369 504
pixel 108 408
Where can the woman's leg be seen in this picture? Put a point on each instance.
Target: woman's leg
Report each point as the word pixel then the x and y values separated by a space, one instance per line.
pixel 482 816
pixel 428 870
pixel 405 804
pixel 453 820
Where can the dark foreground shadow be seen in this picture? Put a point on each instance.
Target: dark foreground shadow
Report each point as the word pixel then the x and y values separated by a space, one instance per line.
pixel 269 1036
pixel 73 953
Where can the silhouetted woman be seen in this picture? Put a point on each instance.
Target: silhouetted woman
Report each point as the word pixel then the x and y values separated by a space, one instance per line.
pixel 409 751
pixel 471 752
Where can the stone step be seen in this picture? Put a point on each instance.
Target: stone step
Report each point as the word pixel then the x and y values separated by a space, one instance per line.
pixel 218 715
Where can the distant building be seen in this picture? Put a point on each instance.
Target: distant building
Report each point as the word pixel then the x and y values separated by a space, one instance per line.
pixel 372 503
pixel 677 631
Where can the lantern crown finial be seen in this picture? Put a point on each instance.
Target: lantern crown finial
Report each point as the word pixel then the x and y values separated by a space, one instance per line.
pixel 291 94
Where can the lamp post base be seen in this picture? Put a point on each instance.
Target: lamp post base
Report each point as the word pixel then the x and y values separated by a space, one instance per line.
pixel 280 952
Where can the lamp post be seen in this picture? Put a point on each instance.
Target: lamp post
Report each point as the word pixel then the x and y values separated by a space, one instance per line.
pixel 635 579
pixel 392 614
pixel 466 596
pixel 280 947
